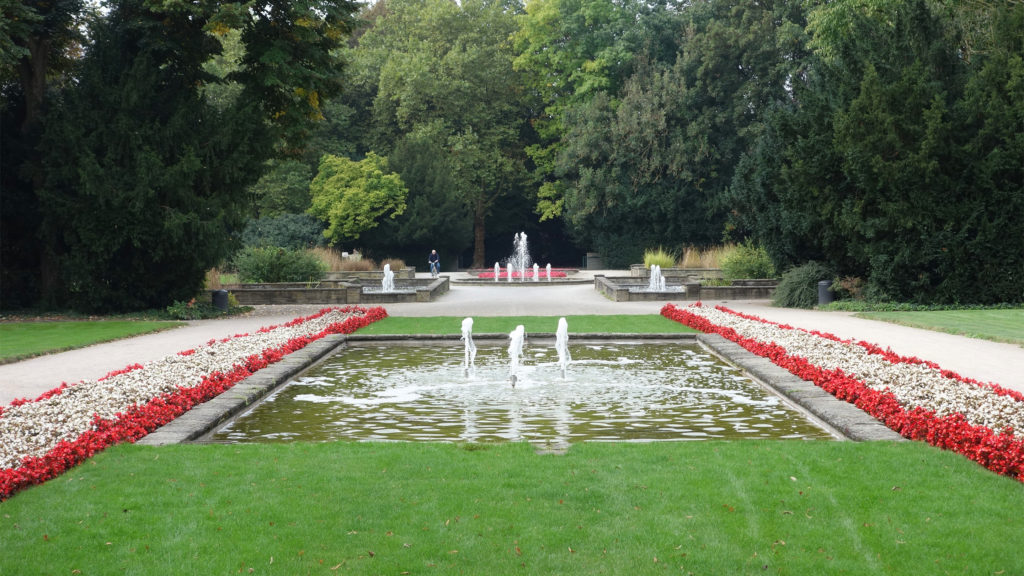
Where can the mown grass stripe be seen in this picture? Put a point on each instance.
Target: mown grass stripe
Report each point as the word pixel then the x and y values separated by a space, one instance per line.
pixel 442 508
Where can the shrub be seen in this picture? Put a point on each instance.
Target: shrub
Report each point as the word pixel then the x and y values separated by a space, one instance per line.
pixel 798 287
pixel 292 231
pixel 747 261
pixel 200 310
pixel 659 257
pixel 192 310
pixel 396 263
pixel 849 287
pixel 271 264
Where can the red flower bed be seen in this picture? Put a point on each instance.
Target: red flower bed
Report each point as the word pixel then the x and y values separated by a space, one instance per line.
pixel 542 273
pixel 1001 452
pixel 141 420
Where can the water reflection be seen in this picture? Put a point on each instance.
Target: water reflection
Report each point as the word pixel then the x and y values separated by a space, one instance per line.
pixel 611 392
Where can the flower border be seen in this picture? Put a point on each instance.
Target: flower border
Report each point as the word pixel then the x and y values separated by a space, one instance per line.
pixel 141 420
pixel 1001 452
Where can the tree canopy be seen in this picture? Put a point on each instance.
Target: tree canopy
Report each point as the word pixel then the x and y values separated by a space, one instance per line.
pixel 124 178
pixel 353 196
pixel 881 138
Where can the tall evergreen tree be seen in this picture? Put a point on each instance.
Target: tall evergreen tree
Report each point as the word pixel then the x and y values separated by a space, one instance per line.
pixel 895 163
pixel 145 178
pixel 649 165
pixel 164 136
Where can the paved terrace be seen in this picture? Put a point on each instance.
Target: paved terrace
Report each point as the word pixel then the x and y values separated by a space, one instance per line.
pixel 978 359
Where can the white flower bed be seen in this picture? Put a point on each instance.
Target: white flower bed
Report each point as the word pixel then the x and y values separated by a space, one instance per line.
pixel 34 428
pixel 913 385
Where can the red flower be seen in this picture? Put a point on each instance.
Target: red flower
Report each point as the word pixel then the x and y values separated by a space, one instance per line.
pixel 138 421
pixel 1002 453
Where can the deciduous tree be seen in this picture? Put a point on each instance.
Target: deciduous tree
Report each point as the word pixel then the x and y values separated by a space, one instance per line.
pixel 352 196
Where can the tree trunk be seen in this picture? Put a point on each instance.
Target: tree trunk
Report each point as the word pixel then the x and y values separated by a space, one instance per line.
pixel 479 213
pixel 33 79
pixel 32 70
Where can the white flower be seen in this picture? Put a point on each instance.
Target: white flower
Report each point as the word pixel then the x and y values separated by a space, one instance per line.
pixel 913 385
pixel 34 428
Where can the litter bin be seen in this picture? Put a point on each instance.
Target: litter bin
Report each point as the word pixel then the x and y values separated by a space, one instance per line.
pixel 825 295
pixel 220 300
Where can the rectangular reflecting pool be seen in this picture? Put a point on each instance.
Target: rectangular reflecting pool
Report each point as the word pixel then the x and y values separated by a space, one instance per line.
pixel 611 391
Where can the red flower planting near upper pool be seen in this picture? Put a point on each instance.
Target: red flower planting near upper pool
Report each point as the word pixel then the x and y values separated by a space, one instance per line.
pixel 541 274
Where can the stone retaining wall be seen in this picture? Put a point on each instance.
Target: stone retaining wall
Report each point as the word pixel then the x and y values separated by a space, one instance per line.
pixel 641 271
pixel 338 292
pixel 617 289
pixel 409 273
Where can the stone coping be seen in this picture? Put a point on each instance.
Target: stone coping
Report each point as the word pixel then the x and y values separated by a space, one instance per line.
pixel 341 292
pixel 843 420
pixel 409 272
pixel 641 271
pixel 624 289
pixel 843 417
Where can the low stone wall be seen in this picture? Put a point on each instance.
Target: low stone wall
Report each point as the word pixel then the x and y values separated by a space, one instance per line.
pixel 409 273
pixel 618 288
pixel 734 292
pixel 337 292
pixel 695 274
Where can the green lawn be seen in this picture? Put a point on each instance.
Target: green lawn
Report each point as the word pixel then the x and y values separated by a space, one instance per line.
pixel 998 325
pixel 20 340
pixel 614 324
pixel 792 507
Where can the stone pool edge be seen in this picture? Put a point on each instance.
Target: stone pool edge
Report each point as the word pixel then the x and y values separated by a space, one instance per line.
pixel 207 416
pixel 841 417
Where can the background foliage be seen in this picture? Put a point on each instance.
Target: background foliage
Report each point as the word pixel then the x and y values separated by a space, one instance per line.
pixel 881 138
pixel 272 264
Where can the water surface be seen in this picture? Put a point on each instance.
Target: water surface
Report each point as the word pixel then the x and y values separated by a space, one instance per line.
pixel 610 392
